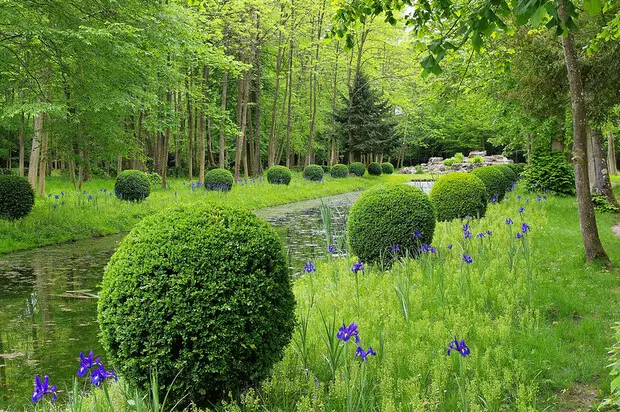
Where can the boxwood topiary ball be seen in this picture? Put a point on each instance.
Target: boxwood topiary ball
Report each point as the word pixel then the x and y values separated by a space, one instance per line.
pixel 339 171
pixel 132 185
pixel 494 180
pixel 357 168
pixel 387 168
pixel 16 197
pixel 279 175
pixel 313 172
pixel 388 216
pixel 219 179
pixel 374 169
pixel 456 195
pixel 326 168
pixel 510 175
pixel 154 178
pixel 202 295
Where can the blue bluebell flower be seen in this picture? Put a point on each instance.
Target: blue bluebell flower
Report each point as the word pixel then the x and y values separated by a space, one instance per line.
pixel 43 388
pixel 345 333
pixel 364 354
pixel 459 347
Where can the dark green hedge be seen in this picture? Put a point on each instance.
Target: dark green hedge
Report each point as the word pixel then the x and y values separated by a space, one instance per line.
pixel 279 175
pixel 339 171
pixel 456 195
pixel 510 175
pixel 549 171
pixel 384 217
pixel 374 169
pixel 202 295
pixel 494 180
pixel 517 168
pixel 357 168
pixel 387 168
pixel 313 172
pixel 16 197
pixel 219 179
pixel 132 185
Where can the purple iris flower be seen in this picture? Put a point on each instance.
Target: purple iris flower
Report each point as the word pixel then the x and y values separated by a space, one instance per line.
pixel 525 228
pixel 417 235
pixel 521 209
pixel 544 197
pixel 54 207
pixel 395 249
pixel 90 197
pixel 489 233
pixel 467 234
pixel 87 362
pixel 56 197
pixel 43 388
pixel 331 249
pixel 519 235
pixel 480 236
pixel 357 267
pixel 518 197
pixel 493 200
pixel 460 347
pixel 509 221
pixel 99 375
pixel 345 333
pixel 449 246
pixel 364 354
pixel 427 249
pixel 309 268
pixel 467 259
pixel 538 198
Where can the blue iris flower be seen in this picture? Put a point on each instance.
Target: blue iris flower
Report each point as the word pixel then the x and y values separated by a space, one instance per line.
pixel 87 363
pixel 509 221
pixel 449 246
pixel 99 375
pixel 309 268
pixel 467 259
pixel 395 249
pixel 331 249
pixel 43 388
pixel 525 228
pixel 417 235
pixel 364 354
pixel 357 267
pixel 345 333
pixel 521 209
pixel 460 347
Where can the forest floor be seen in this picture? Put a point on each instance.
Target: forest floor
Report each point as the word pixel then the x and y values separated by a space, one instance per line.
pixel 68 214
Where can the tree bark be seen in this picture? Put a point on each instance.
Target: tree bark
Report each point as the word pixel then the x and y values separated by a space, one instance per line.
pixel 242 112
pixel 611 154
pixel 166 145
pixel 314 83
pixel 190 134
pixel 271 155
pixel 43 157
pixel 602 183
pixel 22 146
pixel 290 98
pixel 35 151
pixel 587 219
pixel 222 147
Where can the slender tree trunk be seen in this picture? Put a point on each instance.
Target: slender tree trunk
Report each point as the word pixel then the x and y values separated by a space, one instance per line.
pixel 589 231
pixel 224 103
pixel 243 107
pixel 314 83
pixel 119 164
pixel 190 136
pixel 22 145
pixel 333 155
pixel 210 143
pixel 290 98
pixel 271 155
pixel 43 158
pixel 81 171
pixel 602 183
pixel 166 145
pixel 35 152
pixel 611 154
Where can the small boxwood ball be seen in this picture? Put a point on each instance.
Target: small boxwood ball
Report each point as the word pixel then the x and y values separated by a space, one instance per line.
pixel 510 175
pixel 154 178
pixel 384 217
pixel 16 197
pixel 219 179
pixel 387 168
pixel 339 171
pixel 326 168
pixel 132 185
pixel 313 172
pixel 374 169
pixel 456 195
pixel 494 180
pixel 279 175
pixel 357 168
pixel 203 295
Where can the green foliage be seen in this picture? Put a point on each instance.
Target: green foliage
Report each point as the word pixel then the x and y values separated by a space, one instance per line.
pixel 313 173
pixel 388 216
pixel 509 173
pixel 16 197
pixel 374 169
pixel 549 171
pixel 517 168
pixel 219 179
pixel 387 168
pixel 476 159
pixel 357 168
pixel 132 186
pixel 339 171
pixel 177 172
pixel 601 204
pixel 326 168
pixel 449 162
pixel 6 172
pixel 279 175
pixel 154 178
pixel 203 296
pixel 613 402
pixel 494 180
pixel 456 195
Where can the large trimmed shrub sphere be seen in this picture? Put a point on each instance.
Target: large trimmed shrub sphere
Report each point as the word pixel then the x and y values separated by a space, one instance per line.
pixel 219 179
pixel 510 175
pixel 154 178
pixel 313 172
pixel 339 171
pixel 387 216
pixel 16 197
pixel 132 185
pixel 279 175
pixel 494 180
pixel 387 168
pixel 456 195
pixel 517 168
pixel 202 295
pixel 374 169
pixel 326 168
pixel 357 168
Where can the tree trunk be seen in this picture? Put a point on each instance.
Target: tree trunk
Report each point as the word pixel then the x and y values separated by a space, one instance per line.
pixel 314 83
pixel 271 155
pixel 202 150
pixel 589 231
pixel 166 145
pixel 333 155
pixel 43 157
pixel 22 146
pixel 35 151
pixel 210 143
pixel 290 98
pixel 242 112
pixel 611 154
pixel 602 183
pixel 222 147
pixel 256 165
pixel 190 136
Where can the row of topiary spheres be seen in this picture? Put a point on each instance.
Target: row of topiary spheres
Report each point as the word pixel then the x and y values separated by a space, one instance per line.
pixel 282 175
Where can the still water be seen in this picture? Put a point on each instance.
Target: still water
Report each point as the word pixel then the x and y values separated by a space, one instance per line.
pixel 47 316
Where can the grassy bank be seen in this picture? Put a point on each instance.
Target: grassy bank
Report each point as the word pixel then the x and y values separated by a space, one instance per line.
pixel 68 214
pixel 535 317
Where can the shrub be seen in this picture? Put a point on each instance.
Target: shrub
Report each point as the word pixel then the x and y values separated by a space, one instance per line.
pixel 459 157
pixel 132 185
pixel 203 295
pixel 219 179
pixel 456 195
pixel 613 401
pixel 602 204
pixel 16 197
pixel 507 171
pixel 494 180
pixel 326 169
pixel 339 171
pixel 387 168
pixel 6 172
pixel 279 175
pixel 449 162
pixel 388 216
pixel 374 169
pixel 476 159
pixel 357 168
pixel 549 171
pixel 154 178
pixel 517 168
pixel 313 172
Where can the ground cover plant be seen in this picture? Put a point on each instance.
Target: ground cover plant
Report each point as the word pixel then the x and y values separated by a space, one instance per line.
pixel 66 213
pixel 500 313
